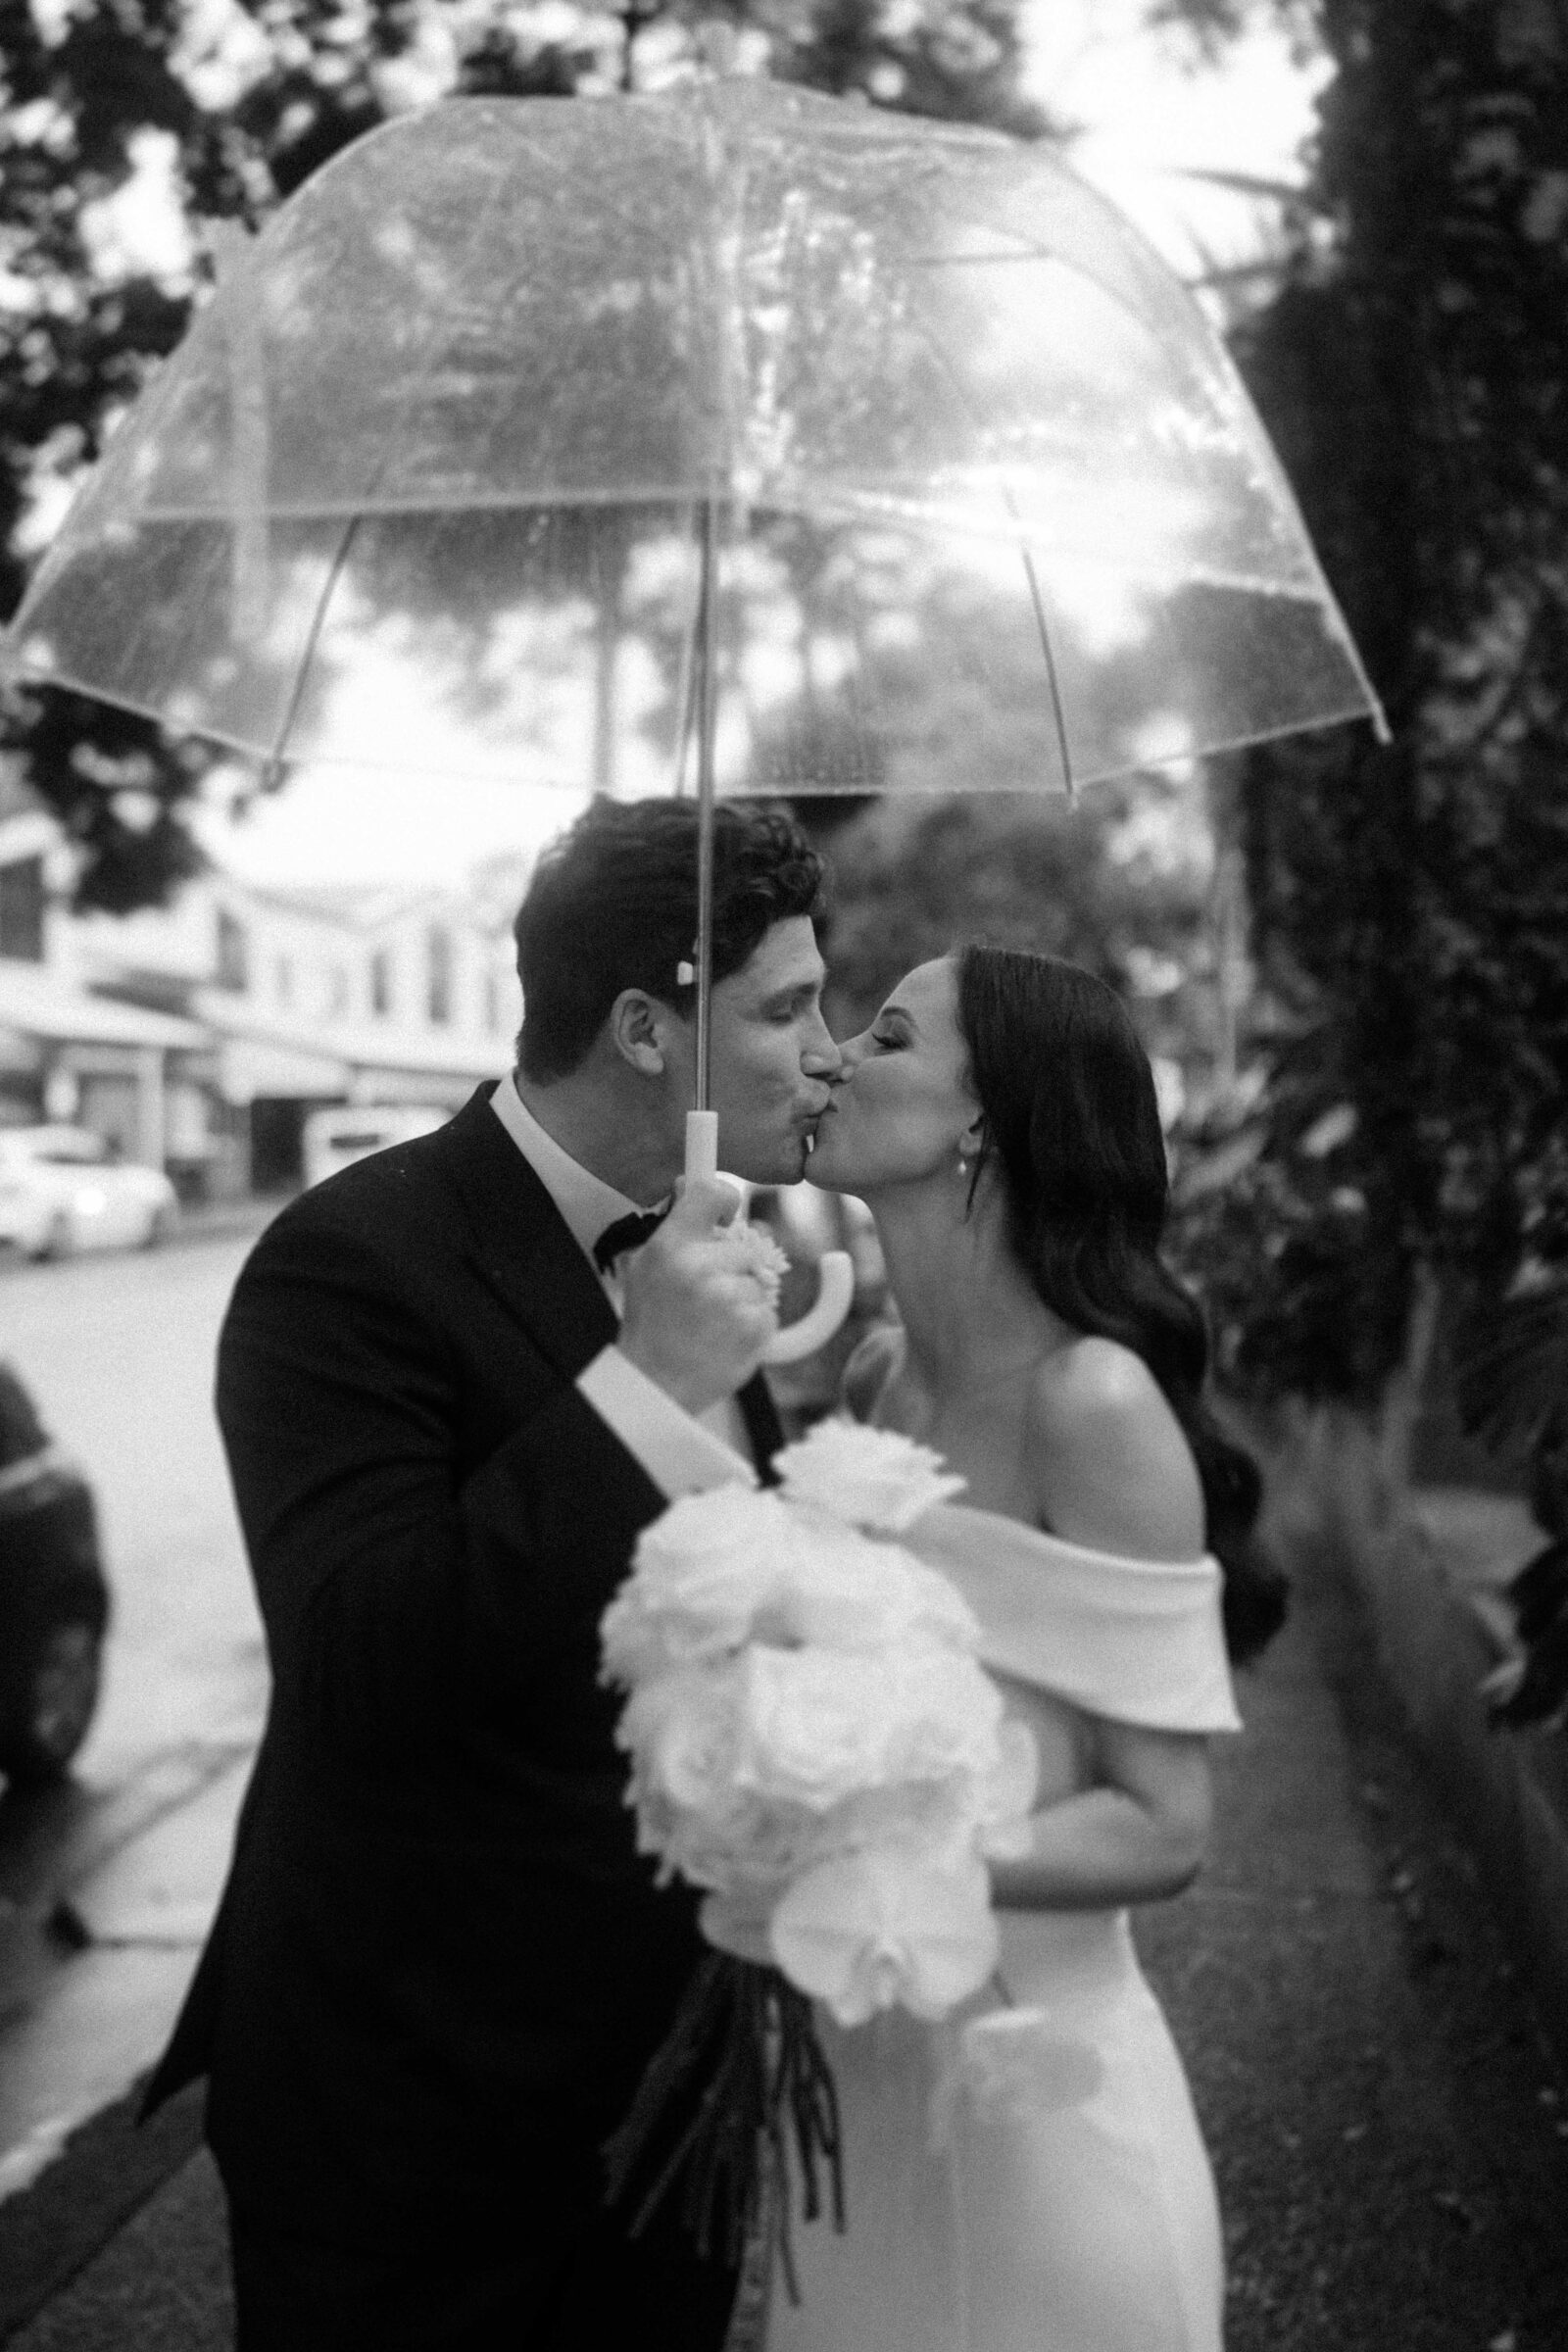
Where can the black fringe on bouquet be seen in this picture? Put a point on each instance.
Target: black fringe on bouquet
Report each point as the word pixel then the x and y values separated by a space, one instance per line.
pixel 739 2076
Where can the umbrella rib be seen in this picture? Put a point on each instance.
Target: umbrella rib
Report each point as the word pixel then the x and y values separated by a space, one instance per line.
pixel 1036 599
pixel 274 760
pixel 984 261
pixel 438 502
pixel 959 392
pixel 475 358
pixel 1165 287
pixel 540 151
pixel 566 174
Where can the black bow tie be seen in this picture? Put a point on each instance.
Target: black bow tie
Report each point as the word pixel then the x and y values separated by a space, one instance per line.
pixel 626 1233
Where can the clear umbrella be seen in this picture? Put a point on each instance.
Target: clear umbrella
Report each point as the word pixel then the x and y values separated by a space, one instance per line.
pixel 747 435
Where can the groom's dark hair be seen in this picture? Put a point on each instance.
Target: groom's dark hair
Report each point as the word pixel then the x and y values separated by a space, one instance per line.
pixel 613 904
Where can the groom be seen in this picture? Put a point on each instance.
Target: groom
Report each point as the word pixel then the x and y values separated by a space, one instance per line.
pixel 440 1966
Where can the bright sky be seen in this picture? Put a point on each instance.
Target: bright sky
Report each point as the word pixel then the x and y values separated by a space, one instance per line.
pixel 1147 120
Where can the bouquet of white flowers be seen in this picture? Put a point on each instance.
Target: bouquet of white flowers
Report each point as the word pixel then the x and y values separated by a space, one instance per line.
pixel 814 1744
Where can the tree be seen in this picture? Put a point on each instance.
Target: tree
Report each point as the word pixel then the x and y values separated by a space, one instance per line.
pixel 1118 882
pixel 1410 902
pixel 249 103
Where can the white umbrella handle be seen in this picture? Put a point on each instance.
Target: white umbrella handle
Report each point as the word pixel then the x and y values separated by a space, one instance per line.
pixel 812 1330
pixel 835 1269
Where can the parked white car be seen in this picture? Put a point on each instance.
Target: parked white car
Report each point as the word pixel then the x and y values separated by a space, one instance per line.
pixel 337 1136
pixel 61 1190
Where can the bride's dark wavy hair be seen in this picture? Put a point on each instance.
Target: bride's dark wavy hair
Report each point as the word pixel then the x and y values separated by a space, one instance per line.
pixel 1072 1120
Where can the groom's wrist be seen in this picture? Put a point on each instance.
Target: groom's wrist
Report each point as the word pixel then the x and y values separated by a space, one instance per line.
pixel 686 1385
pixel 663 1435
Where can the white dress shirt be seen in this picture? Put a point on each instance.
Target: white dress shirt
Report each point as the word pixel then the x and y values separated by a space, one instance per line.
pixel 682 1453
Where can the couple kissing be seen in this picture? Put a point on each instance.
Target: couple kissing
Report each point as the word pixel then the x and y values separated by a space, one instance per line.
pixel 440 1965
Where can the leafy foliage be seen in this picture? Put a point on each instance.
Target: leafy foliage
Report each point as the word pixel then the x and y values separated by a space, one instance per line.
pixel 1512 1379
pixel 1410 902
pixel 1512 1389
pixel 1094 881
pixel 248 102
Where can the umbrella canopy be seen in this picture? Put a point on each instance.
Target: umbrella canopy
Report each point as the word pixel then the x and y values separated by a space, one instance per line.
pixel 517 404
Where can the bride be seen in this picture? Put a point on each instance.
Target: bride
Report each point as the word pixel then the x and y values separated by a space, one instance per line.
pixel 1029 2177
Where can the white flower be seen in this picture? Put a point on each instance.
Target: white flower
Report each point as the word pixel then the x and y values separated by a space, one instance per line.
pixel 814 1724
pixel 950 1713
pixel 697 1810
pixel 683 1728
pixel 872 1478
pixel 1007 1794
pixel 845 1590
pixel 811 1739
pixel 865 1931
pixel 759 1255
pixel 819 1726
pixel 702 1574
pixel 744 1531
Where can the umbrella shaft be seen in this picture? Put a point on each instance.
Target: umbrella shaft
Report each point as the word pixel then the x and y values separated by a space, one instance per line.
pixel 707 724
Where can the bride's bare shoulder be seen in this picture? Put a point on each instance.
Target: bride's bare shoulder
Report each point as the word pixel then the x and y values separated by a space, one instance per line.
pixel 1109 1460
pixel 1089 1376
pixel 869 1369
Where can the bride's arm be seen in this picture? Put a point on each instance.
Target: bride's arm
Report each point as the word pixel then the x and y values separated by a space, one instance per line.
pixel 1112 1472
pixel 1137 1833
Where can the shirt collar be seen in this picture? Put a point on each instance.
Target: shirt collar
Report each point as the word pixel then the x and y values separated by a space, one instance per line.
pixel 584 1200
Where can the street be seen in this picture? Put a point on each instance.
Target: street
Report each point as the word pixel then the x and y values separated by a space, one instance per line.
pixel 1386 2124
pixel 117 1352
pixel 1384 2118
pixel 106 1883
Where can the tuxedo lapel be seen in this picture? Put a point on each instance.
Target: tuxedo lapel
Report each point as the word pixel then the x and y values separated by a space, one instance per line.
pixel 520 1246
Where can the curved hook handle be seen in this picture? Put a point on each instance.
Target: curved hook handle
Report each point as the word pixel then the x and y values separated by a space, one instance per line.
pixel 836 1269
pixel 836 1291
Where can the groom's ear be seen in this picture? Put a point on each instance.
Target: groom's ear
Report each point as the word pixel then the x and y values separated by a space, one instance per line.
pixel 641 1028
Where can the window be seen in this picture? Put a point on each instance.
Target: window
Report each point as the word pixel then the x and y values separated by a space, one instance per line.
pixel 492 1002
pixel 234 952
pixel 21 910
pixel 337 991
pixel 382 982
pixel 283 980
pixel 438 949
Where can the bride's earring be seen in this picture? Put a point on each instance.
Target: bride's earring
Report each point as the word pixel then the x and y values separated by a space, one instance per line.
pixel 963 1162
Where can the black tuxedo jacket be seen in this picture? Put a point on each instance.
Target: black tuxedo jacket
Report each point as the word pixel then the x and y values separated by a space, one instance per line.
pixel 439 1965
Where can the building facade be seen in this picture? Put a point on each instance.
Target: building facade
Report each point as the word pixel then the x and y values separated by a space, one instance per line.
pixel 199 1035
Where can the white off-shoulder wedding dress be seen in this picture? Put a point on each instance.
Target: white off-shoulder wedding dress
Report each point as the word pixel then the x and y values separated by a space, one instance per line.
pixel 1029 2176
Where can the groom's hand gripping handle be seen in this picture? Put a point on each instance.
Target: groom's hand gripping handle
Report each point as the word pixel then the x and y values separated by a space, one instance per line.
pixel 696 1322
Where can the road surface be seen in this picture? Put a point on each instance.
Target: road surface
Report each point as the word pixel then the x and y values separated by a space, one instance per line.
pixel 117 1352
pixel 107 1884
